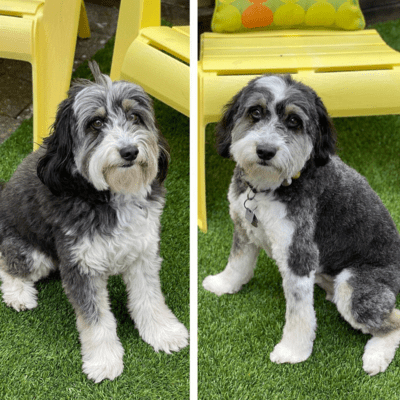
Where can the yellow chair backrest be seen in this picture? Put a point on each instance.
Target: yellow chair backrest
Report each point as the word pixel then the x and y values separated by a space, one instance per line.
pixel 134 15
pixel 153 56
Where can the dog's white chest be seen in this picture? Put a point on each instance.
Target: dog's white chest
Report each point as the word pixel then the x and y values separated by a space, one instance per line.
pixel 136 229
pixel 274 230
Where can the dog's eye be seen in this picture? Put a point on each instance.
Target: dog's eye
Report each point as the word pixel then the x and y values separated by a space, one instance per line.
pixel 294 122
pixel 134 118
pixel 255 113
pixel 97 124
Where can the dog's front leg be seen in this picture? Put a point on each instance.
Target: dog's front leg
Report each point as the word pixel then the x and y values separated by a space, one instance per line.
pixel 240 268
pixel 102 352
pixel 299 331
pixel 156 323
pixel 297 261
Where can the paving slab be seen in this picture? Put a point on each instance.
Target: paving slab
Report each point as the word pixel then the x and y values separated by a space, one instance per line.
pixel 15 95
pixel 8 126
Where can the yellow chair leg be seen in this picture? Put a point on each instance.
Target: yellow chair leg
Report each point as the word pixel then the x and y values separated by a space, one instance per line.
pixel 201 166
pixel 45 101
pixel 52 62
pixel 41 117
pixel 202 212
pixel 83 28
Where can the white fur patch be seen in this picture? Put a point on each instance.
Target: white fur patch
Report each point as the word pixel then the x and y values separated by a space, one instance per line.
pixel 342 299
pixel 137 229
pixel 42 265
pixel 275 84
pixel 238 272
pixel 275 231
pixel 17 293
pixel 379 351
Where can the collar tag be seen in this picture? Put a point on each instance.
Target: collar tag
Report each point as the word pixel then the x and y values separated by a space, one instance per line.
pixel 250 215
pixel 288 181
pixel 297 176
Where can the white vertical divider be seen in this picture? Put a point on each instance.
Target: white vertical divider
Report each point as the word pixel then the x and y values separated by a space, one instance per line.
pixel 193 200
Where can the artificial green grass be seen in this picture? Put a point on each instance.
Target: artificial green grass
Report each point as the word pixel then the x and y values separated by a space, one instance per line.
pixel 40 350
pixel 238 332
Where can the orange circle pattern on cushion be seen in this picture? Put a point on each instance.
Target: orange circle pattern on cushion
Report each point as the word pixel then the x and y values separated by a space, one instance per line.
pixel 257 15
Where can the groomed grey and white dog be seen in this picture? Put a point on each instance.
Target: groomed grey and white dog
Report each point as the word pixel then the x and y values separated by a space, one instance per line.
pixel 89 204
pixel 315 216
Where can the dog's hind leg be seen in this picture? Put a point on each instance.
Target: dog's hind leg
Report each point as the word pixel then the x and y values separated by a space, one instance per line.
pixel 369 306
pixel 20 267
pixel 240 268
pixel 381 348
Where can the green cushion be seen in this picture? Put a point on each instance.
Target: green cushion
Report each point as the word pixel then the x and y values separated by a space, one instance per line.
pixel 250 15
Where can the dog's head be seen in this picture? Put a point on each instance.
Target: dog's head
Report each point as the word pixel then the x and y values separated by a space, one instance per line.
pixel 273 126
pixel 104 139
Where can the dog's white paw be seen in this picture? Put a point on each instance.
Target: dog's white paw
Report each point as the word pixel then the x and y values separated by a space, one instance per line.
pixel 105 362
pixel 375 363
pixel 378 355
pixel 169 337
pixel 17 293
pixel 288 353
pixel 220 284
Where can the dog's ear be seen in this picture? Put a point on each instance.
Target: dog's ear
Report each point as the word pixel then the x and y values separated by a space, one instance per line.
pixel 325 145
pixel 223 130
pixel 163 159
pixel 54 169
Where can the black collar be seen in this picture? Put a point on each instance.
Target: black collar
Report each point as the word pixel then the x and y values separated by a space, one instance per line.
pixel 254 190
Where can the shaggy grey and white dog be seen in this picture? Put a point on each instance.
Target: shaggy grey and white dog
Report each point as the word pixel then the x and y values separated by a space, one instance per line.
pixel 315 216
pixel 89 204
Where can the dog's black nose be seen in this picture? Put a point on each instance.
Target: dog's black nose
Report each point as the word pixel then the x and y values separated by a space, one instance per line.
pixel 129 153
pixel 266 152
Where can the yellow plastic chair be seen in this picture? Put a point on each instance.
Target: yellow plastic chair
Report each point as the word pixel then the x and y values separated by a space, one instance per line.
pixel 153 56
pixel 43 32
pixel 355 73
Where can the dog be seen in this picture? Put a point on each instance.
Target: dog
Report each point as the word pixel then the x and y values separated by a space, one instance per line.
pixel 88 203
pixel 319 219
